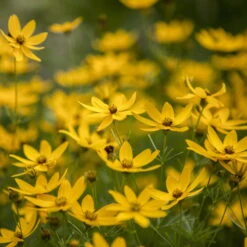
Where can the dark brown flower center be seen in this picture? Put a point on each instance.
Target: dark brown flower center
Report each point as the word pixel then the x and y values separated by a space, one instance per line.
pixel 167 122
pixel 61 201
pixel 126 163
pixel 18 234
pixel 41 159
pixel 90 215
pixel 112 109
pixel 177 193
pixel 135 207
pixel 20 39
pixel 229 150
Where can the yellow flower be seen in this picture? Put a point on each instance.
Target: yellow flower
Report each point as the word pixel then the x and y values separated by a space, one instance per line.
pixel 41 186
pixel 99 241
pixel 219 40
pixel 86 213
pixel 65 199
pixel 24 228
pixel 118 109
pixel 117 41
pixel 173 32
pixel 202 96
pixel 128 163
pixel 166 119
pixel 139 208
pixel 215 149
pixel 41 160
pixel 180 185
pixel 138 4
pixel 21 40
pixel 65 27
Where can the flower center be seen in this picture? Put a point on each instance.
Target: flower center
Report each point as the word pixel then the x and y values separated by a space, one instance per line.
pixel 20 39
pixel 18 234
pixel 41 159
pixel 135 207
pixel 90 215
pixel 61 201
pixel 167 122
pixel 229 150
pixel 112 109
pixel 126 163
pixel 177 193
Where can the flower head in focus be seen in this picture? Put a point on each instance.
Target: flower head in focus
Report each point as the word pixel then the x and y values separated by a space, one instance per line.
pixel 21 39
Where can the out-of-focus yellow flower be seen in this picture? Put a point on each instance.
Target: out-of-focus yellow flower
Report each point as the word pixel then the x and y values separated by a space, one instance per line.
pixel 173 32
pixel 65 199
pixel 66 27
pixel 128 163
pixel 41 186
pixel 21 40
pixel 115 41
pixel 99 241
pixel 25 227
pixel 230 62
pixel 106 90
pixel 219 40
pixel 203 97
pixel 87 213
pixel 166 119
pixel 41 160
pixel 138 4
pixel 139 208
pixel 116 110
pixel 215 149
pixel 181 185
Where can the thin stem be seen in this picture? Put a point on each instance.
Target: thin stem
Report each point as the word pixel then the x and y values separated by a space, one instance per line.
pixel 242 209
pixel 197 123
pixel 115 133
pixel 153 144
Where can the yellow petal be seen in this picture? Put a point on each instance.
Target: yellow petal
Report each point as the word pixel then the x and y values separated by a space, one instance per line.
pixel 129 194
pixel 125 152
pixel 28 53
pixel 14 26
pixel 37 39
pixel 167 111
pixel 29 28
pixel 31 153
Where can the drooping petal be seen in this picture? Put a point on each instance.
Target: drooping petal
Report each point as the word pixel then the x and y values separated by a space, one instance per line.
pixel 28 53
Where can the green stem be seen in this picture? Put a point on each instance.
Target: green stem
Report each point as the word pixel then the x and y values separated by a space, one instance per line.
pixel 242 210
pixel 115 133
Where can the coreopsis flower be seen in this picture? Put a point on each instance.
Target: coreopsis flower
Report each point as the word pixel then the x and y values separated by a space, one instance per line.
pixel 66 27
pixel 99 241
pixel 138 4
pixel 128 163
pixel 87 213
pixel 166 119
pixel 25 227
pixel 21 39
pixel 116 110
pixel 84 138
pixel 117 41
pixel 219 40
pixel 202 96
pixel 66 197
pixel 39 160
pixel 220 120
pixel 42 185
pixel 139 208
pixel 181 185
pixel 215 149
pixel 173 32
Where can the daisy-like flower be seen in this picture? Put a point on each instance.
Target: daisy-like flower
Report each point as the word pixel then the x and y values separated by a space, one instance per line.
pixel 202 96
pixel 219 40
pixel 41 186
pixel 87 213
pixel 65 199
pixel 66 27
pixel 21 39
pixel 99 241
pixel 138 4
pixel 139 208
pixel 84 138
pixel 41 160
pixel 128 163
pixel 216 150
pixel 117 109
pixel 166 119
pixel 24 228
pixel 180 186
